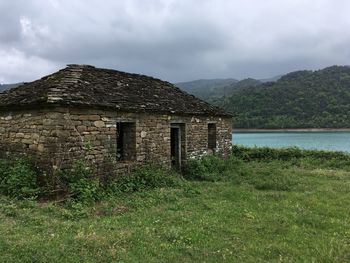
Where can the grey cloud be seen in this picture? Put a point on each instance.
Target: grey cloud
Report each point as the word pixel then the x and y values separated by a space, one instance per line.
pixel 175 40
pixel 10 31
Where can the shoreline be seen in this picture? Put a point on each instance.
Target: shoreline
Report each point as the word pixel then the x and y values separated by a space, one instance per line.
pixel 294 130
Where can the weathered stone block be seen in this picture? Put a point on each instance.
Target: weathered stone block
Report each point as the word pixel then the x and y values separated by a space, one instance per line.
pixel 41 147
pixel 19 135
pixel 99 124
pixel 81 128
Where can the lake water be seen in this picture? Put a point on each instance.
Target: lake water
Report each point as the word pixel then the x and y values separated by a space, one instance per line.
pixel 335 141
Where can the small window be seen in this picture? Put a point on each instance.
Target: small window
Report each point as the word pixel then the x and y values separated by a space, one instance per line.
pixel 212 136
pixel 126 141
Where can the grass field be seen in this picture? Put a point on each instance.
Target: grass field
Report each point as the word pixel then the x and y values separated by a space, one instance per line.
pixel 261 211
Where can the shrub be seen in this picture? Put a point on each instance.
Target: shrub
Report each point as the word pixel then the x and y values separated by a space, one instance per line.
pixel 142 178
pixel 209 168
pixel 4 169
pixel 18 179
pixel 80 183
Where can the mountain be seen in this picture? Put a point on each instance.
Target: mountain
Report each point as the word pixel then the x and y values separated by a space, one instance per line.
pixel 212 88
pixel 203 88
pixel 301 99
pixel 234 87
pixel 4 87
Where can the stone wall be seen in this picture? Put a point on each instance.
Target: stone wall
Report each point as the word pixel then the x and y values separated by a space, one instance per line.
pixel 26 132
pixel 58 136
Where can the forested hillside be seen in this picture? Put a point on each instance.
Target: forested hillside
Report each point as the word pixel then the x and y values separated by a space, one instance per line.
pixel 302 99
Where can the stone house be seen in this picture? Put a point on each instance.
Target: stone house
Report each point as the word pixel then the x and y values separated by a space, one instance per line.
pixel 109 118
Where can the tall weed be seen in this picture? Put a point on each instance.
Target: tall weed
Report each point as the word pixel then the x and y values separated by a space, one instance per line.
pixel 266 153
pixel 142 178
pixel 81 184
pixel 213 168
pixel 18 179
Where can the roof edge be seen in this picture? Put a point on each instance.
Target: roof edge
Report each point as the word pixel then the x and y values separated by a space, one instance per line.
pixel 105 107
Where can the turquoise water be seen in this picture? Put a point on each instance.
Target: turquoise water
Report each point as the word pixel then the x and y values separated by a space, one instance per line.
pixel 335 141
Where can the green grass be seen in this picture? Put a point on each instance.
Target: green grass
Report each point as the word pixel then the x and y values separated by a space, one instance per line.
pixel 262 211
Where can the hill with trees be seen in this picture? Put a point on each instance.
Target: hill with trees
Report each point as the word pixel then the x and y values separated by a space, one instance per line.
pixel 301 99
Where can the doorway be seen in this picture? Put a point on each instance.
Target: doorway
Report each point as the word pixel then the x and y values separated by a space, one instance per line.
pixel 175 136
pixel 126 141
pixel 177 145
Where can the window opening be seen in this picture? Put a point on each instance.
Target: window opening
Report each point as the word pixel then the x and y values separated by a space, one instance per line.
pixel 212 136
pixel 126 141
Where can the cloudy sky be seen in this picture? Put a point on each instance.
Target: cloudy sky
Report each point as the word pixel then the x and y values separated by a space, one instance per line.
pixel 176 40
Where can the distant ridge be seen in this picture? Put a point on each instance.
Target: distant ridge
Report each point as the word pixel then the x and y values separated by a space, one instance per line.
pixel 204 88
pixel 4 87
pixel 273 79
pixel 209 88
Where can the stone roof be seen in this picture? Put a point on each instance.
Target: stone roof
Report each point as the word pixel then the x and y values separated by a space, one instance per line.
pixel 83 85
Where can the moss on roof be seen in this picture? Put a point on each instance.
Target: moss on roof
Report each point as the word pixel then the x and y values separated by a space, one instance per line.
pixel 83 85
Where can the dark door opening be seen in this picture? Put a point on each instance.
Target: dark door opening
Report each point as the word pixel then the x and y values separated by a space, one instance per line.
pixel 126 141
pixel 175 136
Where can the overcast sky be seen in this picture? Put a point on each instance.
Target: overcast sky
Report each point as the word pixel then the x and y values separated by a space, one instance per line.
pixel 175 40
